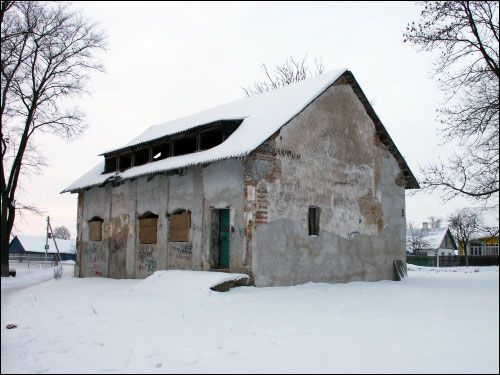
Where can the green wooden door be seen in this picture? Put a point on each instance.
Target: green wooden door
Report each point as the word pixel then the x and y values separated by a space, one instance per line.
pixel 224 230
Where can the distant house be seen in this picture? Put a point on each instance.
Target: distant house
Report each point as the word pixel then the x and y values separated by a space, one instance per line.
pixel 299 184
pixel 35 245
pixel 483 244
pixel 435 240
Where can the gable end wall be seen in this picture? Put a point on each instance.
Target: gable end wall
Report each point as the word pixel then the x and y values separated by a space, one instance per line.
pixel 328 156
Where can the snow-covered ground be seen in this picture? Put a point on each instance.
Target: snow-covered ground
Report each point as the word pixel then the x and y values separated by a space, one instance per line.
pixel 31 273
pixel 434 321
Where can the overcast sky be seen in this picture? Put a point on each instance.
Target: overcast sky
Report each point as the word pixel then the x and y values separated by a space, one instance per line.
pixel 168 60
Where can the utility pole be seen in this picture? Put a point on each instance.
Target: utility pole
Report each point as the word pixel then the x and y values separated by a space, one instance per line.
pixel 47 239
pixel 54 239
pixel 57 268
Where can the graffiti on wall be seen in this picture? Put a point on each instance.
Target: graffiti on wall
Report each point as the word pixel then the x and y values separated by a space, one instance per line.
pixel 145 259
pixel 187 248
pixel 119 232
pixel 286 153
pixel 95 258
pixel 150 265
pixel 178 255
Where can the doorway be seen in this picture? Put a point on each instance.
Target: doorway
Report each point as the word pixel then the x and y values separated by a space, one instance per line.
pixel 220 238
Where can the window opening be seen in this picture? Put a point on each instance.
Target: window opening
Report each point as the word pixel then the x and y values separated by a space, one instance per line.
pixel 110 164
pixel 185 145
pixel 210 139
pixel 161 151
pixel 191 141
pixel 141 156
pixel 179 226
pixel 95 229
pixel 313 220
pixel 230 128
pixel 125 161
pixel 148 228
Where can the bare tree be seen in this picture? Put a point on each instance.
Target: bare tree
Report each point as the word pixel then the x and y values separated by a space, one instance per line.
pixel 464 224
pixel 48 53
pixel 435 222
pixel 466 35
pixel 289 72
pixel 62 232
pixel 415 239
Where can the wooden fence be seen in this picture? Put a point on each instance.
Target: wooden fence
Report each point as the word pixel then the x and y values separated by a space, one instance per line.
pixel 452 260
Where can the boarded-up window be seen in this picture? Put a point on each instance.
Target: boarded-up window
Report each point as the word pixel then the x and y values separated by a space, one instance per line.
pixel 179 226
pixel 95 229
pixel 148 228
pixel 313 219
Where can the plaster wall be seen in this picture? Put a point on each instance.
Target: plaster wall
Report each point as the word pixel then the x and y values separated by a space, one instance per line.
pixel 223 188
pixel 198 189
pixel 93 255
pixel 328 156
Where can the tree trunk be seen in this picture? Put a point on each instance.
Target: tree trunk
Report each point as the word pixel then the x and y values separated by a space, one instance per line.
pixel 6 222
pixel 5 254
pixel 8 211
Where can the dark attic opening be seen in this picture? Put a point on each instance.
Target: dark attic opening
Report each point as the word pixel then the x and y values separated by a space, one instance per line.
pixel 124 161
pixel 161 151
pixel 110 164
pixel 211 138
pixel 185 145
pixel 198 139
pixel 141 156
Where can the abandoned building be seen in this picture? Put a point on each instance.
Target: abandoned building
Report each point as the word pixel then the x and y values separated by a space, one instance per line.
pixel 299 184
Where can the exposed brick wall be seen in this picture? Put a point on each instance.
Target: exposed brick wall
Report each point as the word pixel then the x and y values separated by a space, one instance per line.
pixel 261 205
pixel 261 168
pixel 258 180
pixel 371 210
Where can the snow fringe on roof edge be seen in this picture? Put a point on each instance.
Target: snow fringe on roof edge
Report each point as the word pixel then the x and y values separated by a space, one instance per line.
pixel 262 115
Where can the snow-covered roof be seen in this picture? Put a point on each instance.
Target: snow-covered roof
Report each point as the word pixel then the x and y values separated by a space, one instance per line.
pixel 261 115
pixel 37 244
pixel 434 236
pixel 484 236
